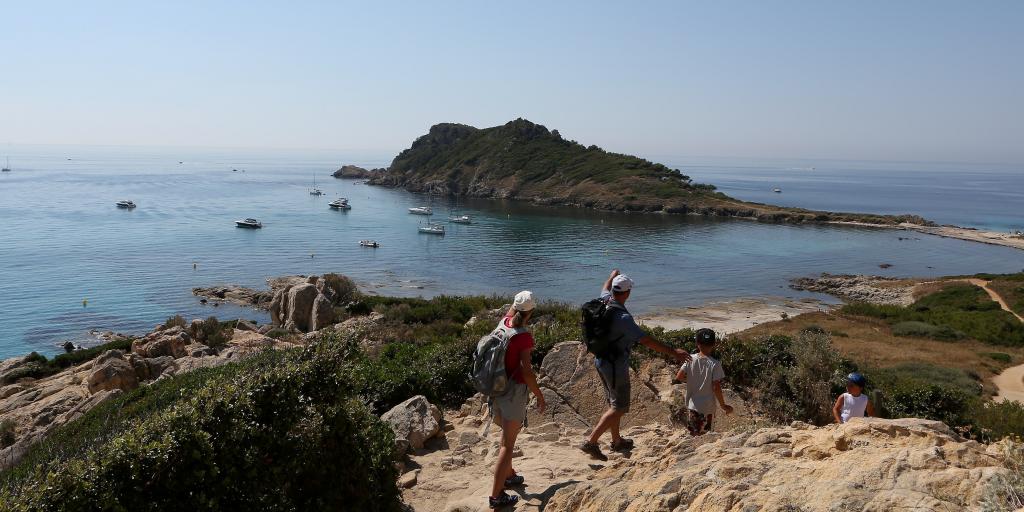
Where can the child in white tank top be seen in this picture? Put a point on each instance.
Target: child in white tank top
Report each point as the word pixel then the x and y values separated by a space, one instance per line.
pixel 854 403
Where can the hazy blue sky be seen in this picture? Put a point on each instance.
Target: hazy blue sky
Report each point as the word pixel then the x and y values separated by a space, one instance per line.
pixel 927 80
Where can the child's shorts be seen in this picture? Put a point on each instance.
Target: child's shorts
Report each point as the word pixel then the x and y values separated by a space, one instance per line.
pixel 699 423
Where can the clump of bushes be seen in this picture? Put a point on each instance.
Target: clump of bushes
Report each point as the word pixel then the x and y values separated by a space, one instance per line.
pixel 284 434
pixel 345 290
pixel 212 332
pixel 805 388
pixel 1002 357
pixel 176 321
pixel 955 312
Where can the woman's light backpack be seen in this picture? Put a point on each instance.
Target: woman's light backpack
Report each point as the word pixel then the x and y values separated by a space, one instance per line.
pixel 489 376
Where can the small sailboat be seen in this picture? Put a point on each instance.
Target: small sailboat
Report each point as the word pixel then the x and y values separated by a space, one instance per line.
pixel 7 168
pixel 250 223
pixel 460 219
pixel 369 243
pixel 315 191
pixel 340 203
pixel 432 229
pixel 126 204
pixel 421 210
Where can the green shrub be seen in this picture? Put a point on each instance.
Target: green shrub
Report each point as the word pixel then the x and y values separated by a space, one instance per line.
pixel 992 421
pixel 922 390
pixel 278 333
pixel 926 330
pixel 285 434
pixel 1002 357
pixel 7 436
pixel 746 360
pixel 176 321
pixel 345 290
pixel 805 389
pixel 213 332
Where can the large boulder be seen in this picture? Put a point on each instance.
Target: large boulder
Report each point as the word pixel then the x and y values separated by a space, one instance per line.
pixel 169 342
pixel 415 420
pixel 302 305
pixel 575 395
pixel 111 371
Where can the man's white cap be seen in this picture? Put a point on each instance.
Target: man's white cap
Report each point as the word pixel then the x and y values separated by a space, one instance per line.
pixel 524 301
pixel 622 283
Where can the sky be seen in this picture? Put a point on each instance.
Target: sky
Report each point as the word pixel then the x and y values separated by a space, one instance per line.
pixel 872 80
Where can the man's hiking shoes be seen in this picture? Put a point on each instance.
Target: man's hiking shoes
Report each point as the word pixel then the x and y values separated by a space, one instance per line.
pixel 623 445
pixel 593 450
pixel 505 500
pixel 514 481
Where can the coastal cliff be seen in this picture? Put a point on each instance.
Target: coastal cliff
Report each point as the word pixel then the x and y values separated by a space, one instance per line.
pixel 527 161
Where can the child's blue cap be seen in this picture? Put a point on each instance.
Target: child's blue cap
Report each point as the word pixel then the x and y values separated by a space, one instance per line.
pixel 858 379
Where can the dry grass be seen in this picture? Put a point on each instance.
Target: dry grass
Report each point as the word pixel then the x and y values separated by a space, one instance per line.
pixel 870 342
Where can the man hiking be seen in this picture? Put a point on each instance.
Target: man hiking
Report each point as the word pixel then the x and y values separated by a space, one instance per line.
pixel 613 368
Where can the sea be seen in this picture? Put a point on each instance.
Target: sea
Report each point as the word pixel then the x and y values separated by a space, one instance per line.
pixel 73 265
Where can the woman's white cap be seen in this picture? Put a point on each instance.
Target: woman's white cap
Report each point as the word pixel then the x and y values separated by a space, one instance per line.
pixel 622 283
pixel 524 301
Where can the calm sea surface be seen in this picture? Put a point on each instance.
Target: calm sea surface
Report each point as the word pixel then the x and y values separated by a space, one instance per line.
pixel 62 240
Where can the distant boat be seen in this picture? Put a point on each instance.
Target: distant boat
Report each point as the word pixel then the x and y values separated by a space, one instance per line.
pixel 369 243
pixel 421 210
pixel 315 191
pixel 777 190
pixel 432 229
pixel 460 219
pixel 249 223
pixel 126 204
pixel 7 168
pixel 340 203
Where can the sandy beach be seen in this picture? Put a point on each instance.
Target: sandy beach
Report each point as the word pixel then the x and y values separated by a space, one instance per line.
pixel 973 235
pixel 732 315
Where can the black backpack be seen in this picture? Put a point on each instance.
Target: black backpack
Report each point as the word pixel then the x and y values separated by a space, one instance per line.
pixel 597 323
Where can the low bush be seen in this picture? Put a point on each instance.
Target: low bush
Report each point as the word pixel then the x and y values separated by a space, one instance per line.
pixel 992 421
pixel 926 330
pixel 7 436
pixel 285 434
pixel 805 389
pixel 1002 357
pixel 213 332
pixel 922 390
pixel 745 360
pixel 345 290
pixel 176 321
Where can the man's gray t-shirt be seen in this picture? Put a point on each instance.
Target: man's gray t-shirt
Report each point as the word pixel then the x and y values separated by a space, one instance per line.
pixel 701 374
pixel 623 330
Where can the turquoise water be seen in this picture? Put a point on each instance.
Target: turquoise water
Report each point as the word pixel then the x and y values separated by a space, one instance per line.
pixel 62 241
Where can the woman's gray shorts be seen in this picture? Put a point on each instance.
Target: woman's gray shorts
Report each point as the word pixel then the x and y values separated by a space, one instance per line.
pixel 512 405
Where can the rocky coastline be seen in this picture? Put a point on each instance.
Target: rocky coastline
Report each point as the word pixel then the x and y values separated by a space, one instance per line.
pixel 355 172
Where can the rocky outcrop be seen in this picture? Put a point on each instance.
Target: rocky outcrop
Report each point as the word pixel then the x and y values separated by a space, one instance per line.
pixel 856 288
pixel 867 464
pixel 304 305
pixel 37 406
pixel 355 172
pixel 415 420
pixel 237 295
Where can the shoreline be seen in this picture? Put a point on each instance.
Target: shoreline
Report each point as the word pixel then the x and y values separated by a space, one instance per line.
pixel 731 315
pixel 960 233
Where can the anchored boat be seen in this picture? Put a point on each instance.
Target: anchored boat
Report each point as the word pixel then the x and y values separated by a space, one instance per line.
pixel 340 203
pixel 126 204
pixel 432 229
pixel 421 210
pixel 369 243
pixel 249 223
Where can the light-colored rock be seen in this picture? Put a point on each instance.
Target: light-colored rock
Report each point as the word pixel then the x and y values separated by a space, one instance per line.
pixel 408 479
pixel 415 420
pixel 111 371
pixel 169 342
pixel 301 304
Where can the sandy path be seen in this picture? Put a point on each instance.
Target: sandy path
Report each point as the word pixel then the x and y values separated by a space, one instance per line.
pixel 731 316
pixel 1010 382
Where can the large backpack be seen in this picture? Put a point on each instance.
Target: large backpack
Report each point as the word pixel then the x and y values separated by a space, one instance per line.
pixel 597 316
pixel 489 376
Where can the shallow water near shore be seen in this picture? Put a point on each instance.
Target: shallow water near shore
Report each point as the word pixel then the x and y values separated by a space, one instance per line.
pixel 62 241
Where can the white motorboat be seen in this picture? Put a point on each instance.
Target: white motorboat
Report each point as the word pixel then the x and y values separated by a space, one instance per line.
pixel 432 229
pixel 126 204
pixel 369 243
pixel 249 223
pixel 340 203
pixel 421 210
pixel 777 190
pixel 460 219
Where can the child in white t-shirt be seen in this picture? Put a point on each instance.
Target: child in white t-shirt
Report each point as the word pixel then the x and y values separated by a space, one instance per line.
pixel 854 403
pixel 703 376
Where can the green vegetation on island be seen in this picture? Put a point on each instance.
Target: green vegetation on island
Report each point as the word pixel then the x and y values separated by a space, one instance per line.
pixel 526 161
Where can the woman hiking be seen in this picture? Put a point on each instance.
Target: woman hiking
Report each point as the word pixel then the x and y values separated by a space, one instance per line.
pixel 510 408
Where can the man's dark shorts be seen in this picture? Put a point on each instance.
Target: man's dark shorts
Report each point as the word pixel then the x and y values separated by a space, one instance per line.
pixel 699 424
pixel 615 376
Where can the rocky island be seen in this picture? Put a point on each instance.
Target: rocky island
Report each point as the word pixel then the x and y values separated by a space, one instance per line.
pixel 527 161
pixel 354 172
